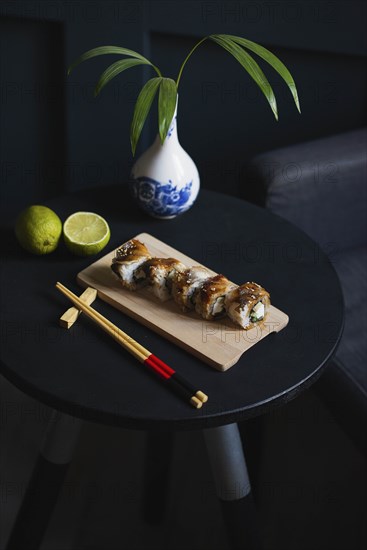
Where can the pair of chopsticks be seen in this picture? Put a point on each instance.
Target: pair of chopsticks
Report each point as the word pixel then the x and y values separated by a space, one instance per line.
pixel 177 382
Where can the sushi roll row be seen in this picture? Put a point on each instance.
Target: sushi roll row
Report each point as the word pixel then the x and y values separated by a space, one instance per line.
pixel 193 288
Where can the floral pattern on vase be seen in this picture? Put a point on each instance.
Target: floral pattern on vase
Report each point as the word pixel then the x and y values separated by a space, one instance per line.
pixel 161 199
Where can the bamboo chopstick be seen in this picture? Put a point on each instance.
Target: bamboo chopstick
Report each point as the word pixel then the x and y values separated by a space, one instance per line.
pixel 177 382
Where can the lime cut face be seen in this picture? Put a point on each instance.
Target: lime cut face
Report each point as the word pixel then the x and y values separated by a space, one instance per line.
pixel 86 233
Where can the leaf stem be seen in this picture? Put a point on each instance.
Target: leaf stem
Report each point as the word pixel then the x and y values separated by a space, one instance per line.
pixel 187 58
pixel 156 69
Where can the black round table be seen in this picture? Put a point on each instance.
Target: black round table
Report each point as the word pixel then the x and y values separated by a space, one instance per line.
pixel 84 375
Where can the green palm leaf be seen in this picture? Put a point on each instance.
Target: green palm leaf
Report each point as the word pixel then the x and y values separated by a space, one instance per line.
pixel 102 50
pixel 272 60
pixel 142 107
pixel 251 67
pixel 166 105
pixel 115 69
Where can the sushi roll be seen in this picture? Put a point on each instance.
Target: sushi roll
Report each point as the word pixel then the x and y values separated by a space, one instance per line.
pixel 247 305
pixel 159 272
pixel 185 284
pixel 210 296
pixel 128 259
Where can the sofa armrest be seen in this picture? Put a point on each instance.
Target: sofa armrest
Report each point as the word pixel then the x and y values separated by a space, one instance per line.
pixel 320 186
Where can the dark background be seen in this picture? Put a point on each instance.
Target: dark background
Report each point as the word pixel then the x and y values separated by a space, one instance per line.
pixel 55 136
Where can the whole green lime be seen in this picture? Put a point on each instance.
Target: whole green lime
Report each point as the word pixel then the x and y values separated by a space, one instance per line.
pixel 38 229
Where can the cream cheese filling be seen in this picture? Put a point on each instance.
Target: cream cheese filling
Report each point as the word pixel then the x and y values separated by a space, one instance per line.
pixel 257 312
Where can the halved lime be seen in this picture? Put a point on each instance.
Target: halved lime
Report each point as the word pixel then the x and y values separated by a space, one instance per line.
pixel 86 233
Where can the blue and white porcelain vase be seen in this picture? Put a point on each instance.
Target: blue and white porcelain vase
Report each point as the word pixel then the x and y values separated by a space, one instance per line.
pixel 164 180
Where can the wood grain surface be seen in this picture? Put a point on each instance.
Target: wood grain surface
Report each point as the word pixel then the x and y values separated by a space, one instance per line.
pixel 219 343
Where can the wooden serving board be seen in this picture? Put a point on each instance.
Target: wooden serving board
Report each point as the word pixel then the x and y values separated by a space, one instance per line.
pixel 219 343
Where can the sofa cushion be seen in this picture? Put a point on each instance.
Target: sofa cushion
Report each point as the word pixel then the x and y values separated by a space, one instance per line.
pixel 321 186
pixel 351 354
pixel 343 386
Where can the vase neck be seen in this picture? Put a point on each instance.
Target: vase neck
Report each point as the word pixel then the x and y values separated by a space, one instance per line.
pixel 172 131
pixel 172 136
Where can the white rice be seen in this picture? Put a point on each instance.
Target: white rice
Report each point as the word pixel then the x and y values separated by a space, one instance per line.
pixel 239 315
pixel 158 285
pixel 126 272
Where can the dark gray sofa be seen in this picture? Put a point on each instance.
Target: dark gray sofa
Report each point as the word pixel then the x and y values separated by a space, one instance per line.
pixel 321 186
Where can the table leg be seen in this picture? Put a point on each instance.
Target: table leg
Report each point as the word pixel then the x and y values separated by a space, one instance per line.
pixel 158 457
pixel 233 486
pixel 46 480
pixel 252 432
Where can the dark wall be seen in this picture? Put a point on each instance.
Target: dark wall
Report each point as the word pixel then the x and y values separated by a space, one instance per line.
pixel 33 108
pixel 55 136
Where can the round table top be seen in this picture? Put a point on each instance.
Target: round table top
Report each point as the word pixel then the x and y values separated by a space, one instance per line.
pixel 83 373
